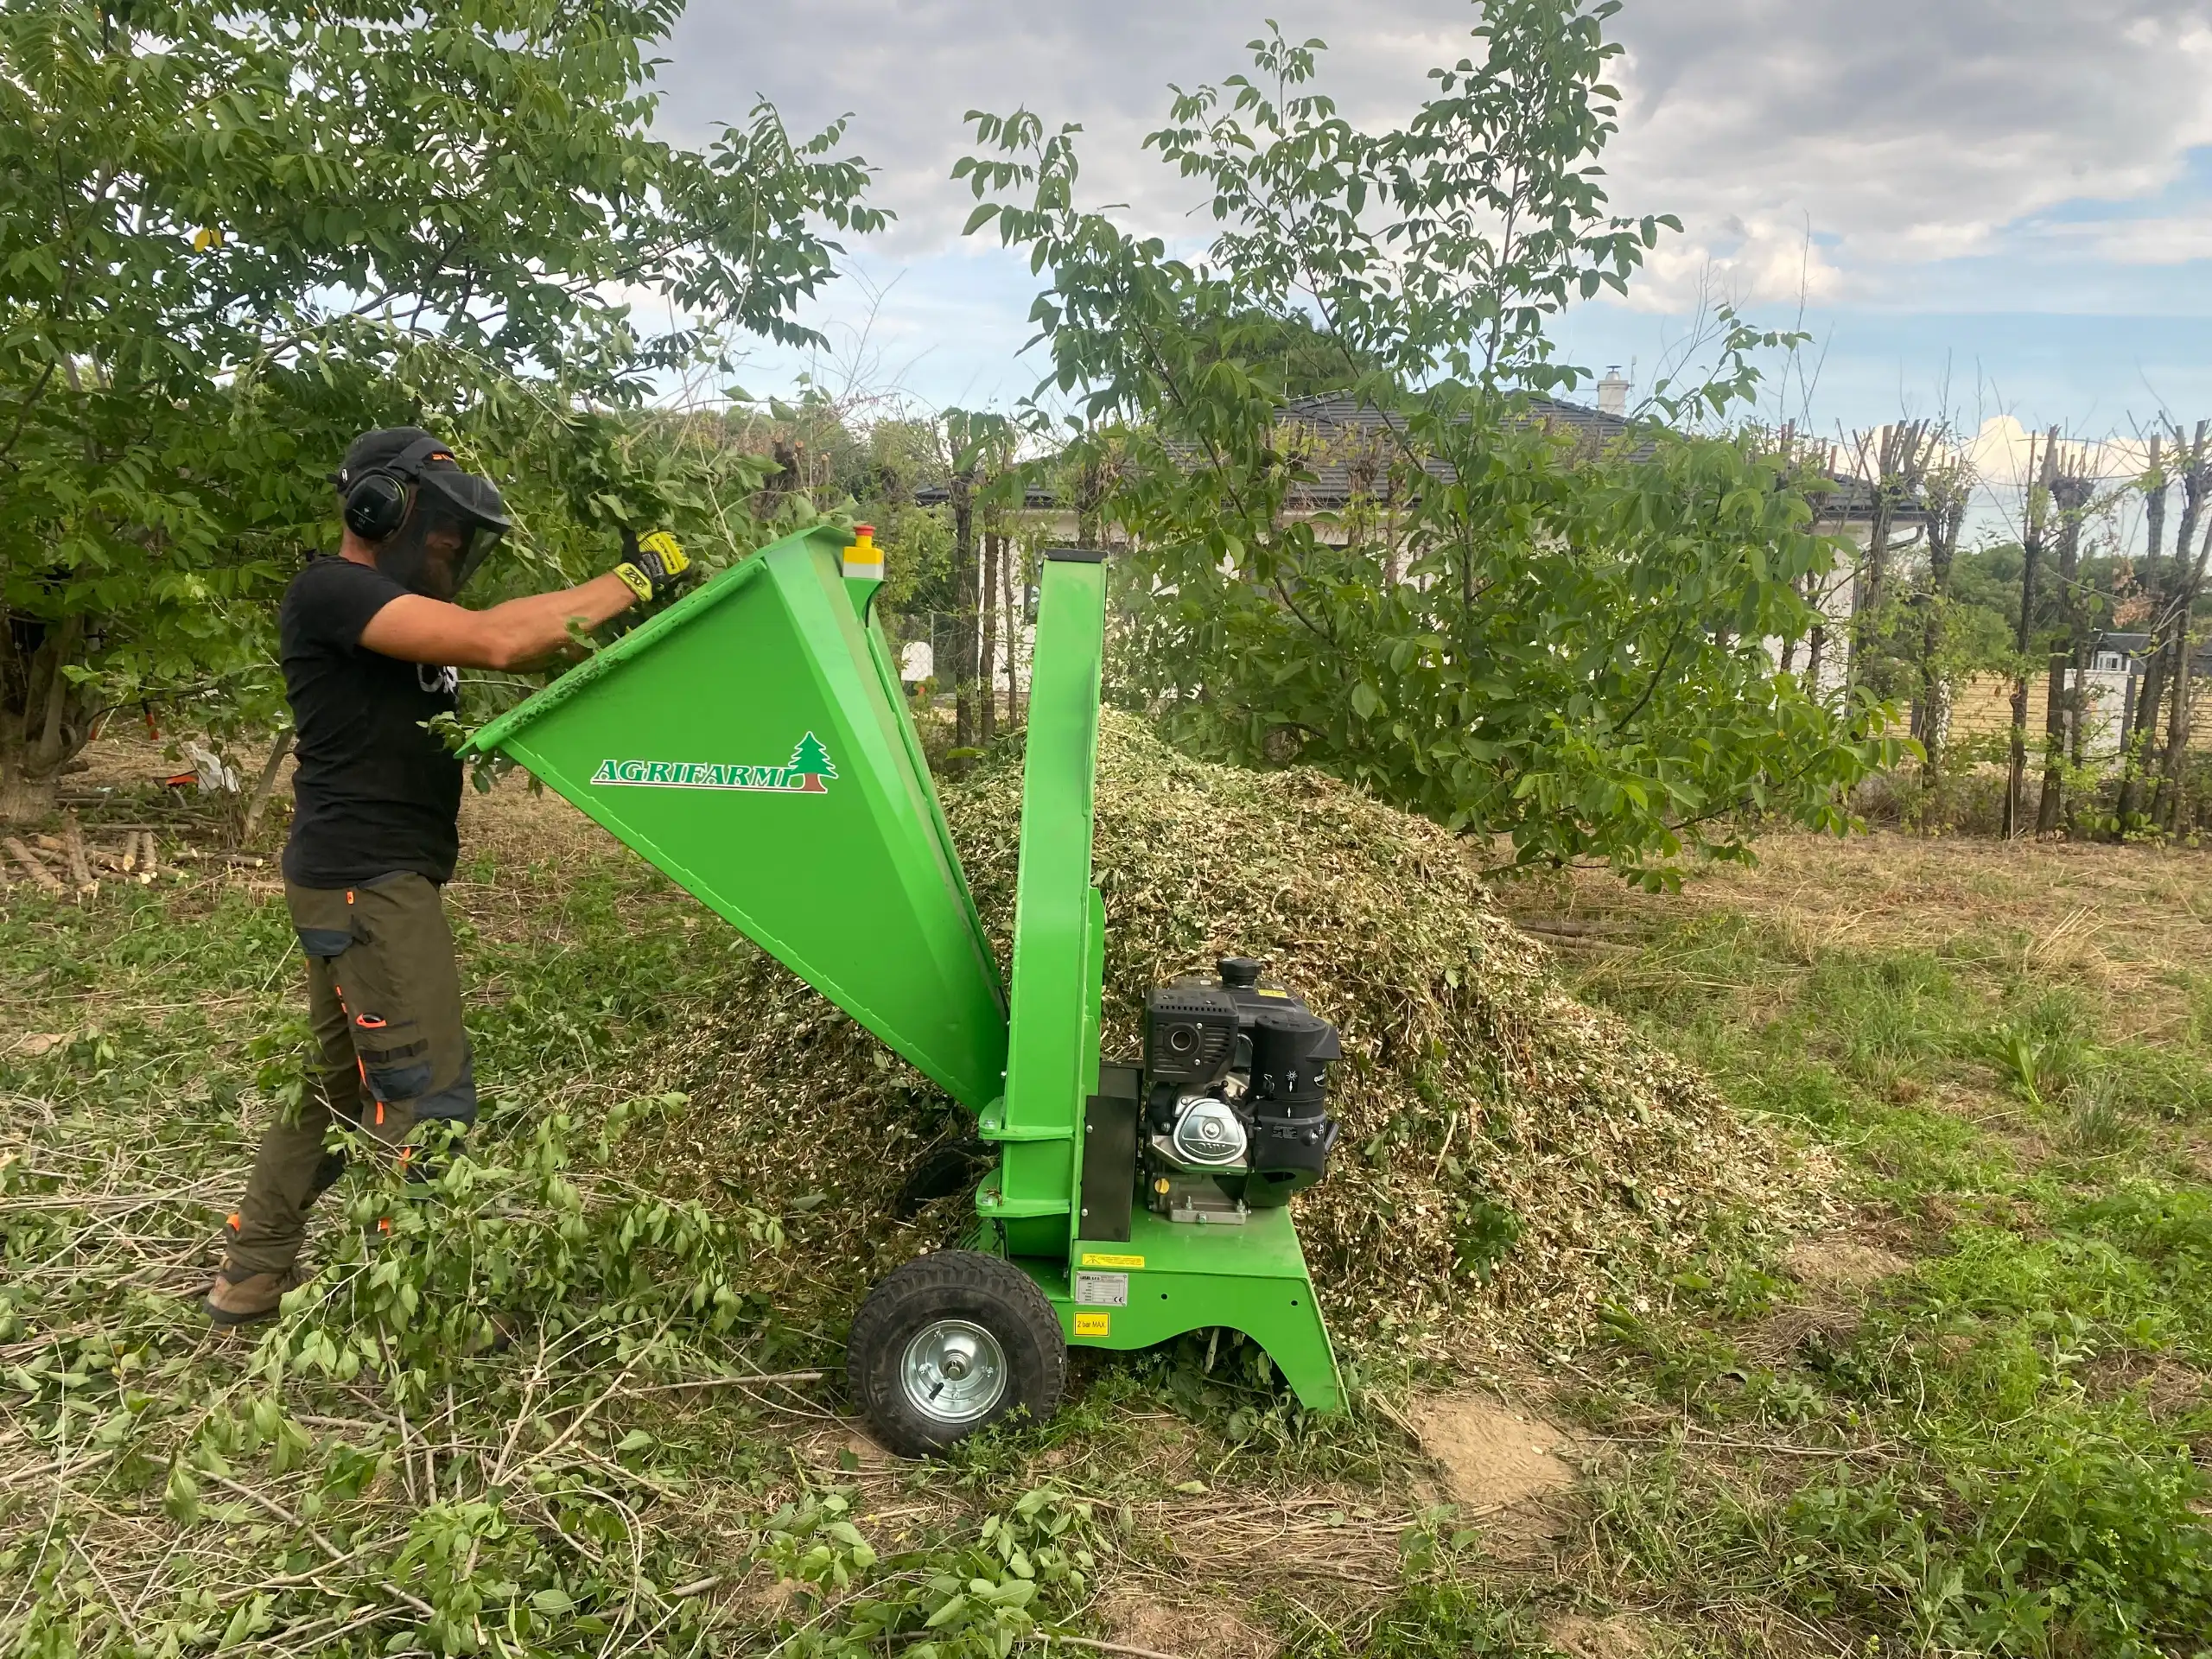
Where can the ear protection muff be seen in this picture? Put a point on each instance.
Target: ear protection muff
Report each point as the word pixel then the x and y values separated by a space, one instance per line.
pixel 376 502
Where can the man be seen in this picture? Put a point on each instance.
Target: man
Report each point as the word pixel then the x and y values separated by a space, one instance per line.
pixel 372 644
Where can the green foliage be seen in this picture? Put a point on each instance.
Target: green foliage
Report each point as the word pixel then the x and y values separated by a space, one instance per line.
pixel 1500 629
pixel 1028 1564
pixel 231 239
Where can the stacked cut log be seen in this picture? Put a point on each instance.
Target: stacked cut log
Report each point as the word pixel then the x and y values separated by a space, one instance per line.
pixel 64 864
pixel 32 865
pixel 80 868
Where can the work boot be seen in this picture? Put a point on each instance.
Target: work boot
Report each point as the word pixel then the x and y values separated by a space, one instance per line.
pixel 241 1296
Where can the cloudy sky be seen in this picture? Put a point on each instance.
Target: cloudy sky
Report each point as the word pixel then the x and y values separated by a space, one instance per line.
pixel 2005 206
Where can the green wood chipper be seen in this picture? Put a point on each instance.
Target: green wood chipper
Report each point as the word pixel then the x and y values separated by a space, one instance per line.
pixel 753 743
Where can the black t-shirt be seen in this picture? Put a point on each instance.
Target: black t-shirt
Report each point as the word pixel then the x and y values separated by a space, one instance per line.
pixel 375 792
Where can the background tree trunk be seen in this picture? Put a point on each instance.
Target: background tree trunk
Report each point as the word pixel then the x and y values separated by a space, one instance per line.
pixel 987 658
pixel 1897 461
pixel 2016 778
pixel 265 784
pixel 963 608
pixel 2180 679
pixel 1090 494
pixel 2188 579
pixel 44 719
pixel 2139 721
pixel 1015 590
pixel 2065 703
pixel 1948 493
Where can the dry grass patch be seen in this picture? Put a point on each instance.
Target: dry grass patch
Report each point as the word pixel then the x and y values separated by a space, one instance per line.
pixel 2114 921
pixel 1841 1266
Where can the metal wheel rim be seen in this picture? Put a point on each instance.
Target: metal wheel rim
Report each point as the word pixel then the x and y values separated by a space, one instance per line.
pixel 953 1371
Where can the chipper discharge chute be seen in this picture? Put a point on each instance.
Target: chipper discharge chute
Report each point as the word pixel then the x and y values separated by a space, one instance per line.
pixel 752 743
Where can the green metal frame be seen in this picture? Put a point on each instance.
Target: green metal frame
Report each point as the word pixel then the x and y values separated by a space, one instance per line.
pixel 1174 1277
pixel 854 884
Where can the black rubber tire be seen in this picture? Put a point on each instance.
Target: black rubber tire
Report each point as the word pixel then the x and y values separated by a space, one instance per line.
pixel 985 1290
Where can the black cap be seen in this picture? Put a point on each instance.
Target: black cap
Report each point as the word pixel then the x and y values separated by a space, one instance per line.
pixel 1239 973
pixel 372 450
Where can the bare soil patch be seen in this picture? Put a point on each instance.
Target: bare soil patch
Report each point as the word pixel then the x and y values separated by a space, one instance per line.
pixel 1615 1636
pixel 1506 1467
pixel 1162 1618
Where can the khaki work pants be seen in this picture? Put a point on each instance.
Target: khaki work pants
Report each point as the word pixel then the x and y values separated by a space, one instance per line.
pixel 384 1002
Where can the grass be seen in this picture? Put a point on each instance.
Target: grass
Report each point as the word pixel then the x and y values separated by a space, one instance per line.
pixel 2000 1444
pixel 553 1412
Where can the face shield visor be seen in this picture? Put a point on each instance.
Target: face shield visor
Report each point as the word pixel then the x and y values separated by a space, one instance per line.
pixel 453 524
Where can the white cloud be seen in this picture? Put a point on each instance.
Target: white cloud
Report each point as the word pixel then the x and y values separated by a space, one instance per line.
pixel 2016 159
pixel 1909 131
pixel 1906 131
pixel 2163 239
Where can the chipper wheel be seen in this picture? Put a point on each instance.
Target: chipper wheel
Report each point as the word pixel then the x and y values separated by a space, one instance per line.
pixel 950 1342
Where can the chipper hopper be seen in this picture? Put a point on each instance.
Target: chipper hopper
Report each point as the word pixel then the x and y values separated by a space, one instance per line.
pixel 753 743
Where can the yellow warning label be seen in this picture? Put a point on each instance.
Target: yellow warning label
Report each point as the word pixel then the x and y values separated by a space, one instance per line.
pixel 1102 1259
pixel 1090 1324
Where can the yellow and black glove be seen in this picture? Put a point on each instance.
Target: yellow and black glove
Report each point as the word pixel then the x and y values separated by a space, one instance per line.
pixel 653 564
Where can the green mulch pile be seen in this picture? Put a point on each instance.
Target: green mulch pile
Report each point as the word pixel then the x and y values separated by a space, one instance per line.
pixel 1510 1158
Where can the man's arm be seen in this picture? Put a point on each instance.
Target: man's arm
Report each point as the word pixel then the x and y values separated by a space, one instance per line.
pixel 415 629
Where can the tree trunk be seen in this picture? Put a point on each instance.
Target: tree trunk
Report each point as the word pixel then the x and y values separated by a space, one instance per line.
pixel 24 798
pixel 1947 506
pixel 38 737
pixel 264 785
pixel 2139 719
pixel 988 660
pixel 2066 703
pixel 1011 564
pixel 2166 807
pixel 2052 796
pixel 2188 576
pixel 2016 778
pixel 1898 462
pixel 963 608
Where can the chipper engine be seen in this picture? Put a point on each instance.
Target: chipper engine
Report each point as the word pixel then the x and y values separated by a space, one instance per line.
pixel 753 743
pixel 1235 1077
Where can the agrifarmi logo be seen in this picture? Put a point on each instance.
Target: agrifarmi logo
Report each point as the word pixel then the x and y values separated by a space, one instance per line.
pixel 809 773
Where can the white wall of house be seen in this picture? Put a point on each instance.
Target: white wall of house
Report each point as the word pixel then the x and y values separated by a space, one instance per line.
pixel 2105 704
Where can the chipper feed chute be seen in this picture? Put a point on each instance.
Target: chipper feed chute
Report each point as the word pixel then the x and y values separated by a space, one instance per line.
pixel 752 743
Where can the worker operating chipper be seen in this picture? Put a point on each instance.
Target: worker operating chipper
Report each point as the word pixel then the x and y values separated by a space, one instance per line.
pixel 371 644
pixel 753 742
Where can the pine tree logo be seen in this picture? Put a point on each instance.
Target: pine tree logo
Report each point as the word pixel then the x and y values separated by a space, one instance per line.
pixel 808 773
pixel 810 766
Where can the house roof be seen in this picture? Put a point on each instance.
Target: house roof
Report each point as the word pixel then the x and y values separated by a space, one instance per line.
pixel 1593 430
pixel 1035 498
pixel 1338 417
pixel 1350 430
pixel 2138 648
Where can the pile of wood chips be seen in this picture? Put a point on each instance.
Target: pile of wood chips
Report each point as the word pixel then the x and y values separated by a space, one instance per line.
pixel 1510 1159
